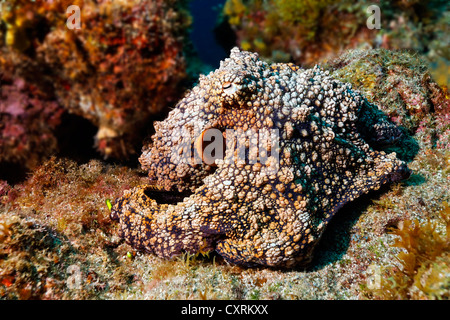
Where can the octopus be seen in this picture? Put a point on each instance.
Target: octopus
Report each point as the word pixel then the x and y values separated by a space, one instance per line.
pixel 254 162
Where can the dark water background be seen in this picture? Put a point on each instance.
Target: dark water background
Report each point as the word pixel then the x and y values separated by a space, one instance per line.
pixel 205 14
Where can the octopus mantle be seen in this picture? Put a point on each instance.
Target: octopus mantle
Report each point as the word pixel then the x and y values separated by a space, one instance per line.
pixel 257 206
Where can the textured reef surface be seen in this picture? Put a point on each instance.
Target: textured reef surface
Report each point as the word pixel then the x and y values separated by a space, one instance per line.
pixel 307 32
pixel 398 81
pixel 259 206
pixel 28 120
pixel 121 67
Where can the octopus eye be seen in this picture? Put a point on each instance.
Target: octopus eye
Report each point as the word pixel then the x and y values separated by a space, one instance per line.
pixel 226 85
pixel 229 88
pixel 210 145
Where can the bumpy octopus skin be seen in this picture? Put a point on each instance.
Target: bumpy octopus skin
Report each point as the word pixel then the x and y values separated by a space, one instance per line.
pixel 269 213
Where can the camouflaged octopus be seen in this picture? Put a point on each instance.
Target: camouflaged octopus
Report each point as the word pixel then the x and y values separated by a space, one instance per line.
pixel 271 212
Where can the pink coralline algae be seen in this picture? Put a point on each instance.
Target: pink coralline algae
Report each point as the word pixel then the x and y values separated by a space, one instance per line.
pixel 27 121
pixel 124 65
pixel 397 81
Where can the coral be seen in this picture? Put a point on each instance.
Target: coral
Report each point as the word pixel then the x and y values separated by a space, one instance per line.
pixel 28 119
pixel 234 9
pixel 123 66
pixel 252 211
pixel 304 30
pixel 423 27
pixel 310 31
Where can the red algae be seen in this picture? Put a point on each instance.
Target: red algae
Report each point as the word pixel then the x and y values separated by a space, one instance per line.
pixel 397 81
pixel 122 67
pixel 306 32
pixel 57 227
pixel 28 118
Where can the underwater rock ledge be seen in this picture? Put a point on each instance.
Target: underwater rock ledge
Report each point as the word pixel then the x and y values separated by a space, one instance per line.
pixel 123 67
